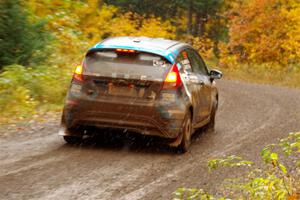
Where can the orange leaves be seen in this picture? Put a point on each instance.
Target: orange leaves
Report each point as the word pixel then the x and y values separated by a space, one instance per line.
pixel 264 31
pixel 294 197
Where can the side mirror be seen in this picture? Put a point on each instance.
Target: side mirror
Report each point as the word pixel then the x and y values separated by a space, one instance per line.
pixel 215 74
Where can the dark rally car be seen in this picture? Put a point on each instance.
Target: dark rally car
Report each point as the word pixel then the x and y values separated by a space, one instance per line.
pixel 151 86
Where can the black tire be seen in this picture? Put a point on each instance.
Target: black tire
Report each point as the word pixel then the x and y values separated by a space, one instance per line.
pixel 73 139
pixel 186 134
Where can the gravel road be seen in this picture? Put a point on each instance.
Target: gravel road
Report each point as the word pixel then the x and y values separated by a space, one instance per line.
pixel 35 163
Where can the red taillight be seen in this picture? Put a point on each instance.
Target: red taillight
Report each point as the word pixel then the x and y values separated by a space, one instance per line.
pixel 125 51
pixel 173 77
pixel 78 73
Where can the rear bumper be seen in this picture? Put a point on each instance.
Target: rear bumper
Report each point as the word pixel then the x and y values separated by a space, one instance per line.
pixel 155 119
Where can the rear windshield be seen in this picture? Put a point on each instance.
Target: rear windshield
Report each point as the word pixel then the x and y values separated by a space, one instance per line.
pixel 109 60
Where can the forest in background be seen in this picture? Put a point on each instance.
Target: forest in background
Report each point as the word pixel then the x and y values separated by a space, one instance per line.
pixel 42 40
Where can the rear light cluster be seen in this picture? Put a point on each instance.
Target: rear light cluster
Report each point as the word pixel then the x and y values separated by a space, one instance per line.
pixel 78 73
pixel 173 79
pixel 125 51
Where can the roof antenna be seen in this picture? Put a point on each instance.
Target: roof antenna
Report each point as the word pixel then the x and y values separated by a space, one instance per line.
pixel 137 40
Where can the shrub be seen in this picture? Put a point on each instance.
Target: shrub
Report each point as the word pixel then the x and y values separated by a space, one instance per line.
pixel 277 179
pixel 23 90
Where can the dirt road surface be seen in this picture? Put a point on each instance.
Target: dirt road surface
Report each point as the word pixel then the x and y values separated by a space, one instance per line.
pixel 35 163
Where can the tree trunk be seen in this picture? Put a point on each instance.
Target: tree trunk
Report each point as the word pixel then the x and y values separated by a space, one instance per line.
pixel 196 24
pixel 189 17
pixel 201 24
pixel 100 3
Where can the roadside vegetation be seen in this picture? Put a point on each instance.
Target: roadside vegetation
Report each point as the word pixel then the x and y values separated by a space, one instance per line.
pixel 41 41
pixel 277 177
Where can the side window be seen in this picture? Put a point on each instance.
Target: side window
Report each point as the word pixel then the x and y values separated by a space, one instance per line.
pixel 197 62
pixel 184 60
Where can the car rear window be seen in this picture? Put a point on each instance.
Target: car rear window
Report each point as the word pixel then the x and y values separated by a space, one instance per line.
pixel 107 60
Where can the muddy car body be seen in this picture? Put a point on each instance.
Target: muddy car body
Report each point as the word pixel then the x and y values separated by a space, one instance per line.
pixel 150 86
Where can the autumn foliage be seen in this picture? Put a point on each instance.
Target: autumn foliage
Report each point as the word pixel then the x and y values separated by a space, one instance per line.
pixel 78 25
pixel 266 31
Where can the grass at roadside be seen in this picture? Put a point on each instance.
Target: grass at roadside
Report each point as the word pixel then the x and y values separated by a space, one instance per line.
pixel 26 92
pixel 264 74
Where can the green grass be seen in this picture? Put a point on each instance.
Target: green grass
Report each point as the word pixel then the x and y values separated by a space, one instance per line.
pixel 25 92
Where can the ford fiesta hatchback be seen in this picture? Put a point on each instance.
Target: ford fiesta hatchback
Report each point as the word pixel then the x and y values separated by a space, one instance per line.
pixel 151 86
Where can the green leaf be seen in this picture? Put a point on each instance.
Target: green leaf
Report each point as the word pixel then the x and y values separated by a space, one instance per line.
pixel 283 168
pixel 274 156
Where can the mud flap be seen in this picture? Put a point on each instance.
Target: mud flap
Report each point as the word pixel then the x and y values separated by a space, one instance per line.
pixel 177 141
pixel 63 131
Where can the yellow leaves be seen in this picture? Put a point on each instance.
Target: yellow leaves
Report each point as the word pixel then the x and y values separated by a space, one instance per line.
pixel 204 46
pixel 93 3
pixel 122 25
pixel 292 45
pixel 153 27
pixel 266 31
pixel 131 24
pixel 226 59
pixel 77 25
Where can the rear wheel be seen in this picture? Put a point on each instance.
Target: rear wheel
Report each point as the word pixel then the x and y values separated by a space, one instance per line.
pixel 186 134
